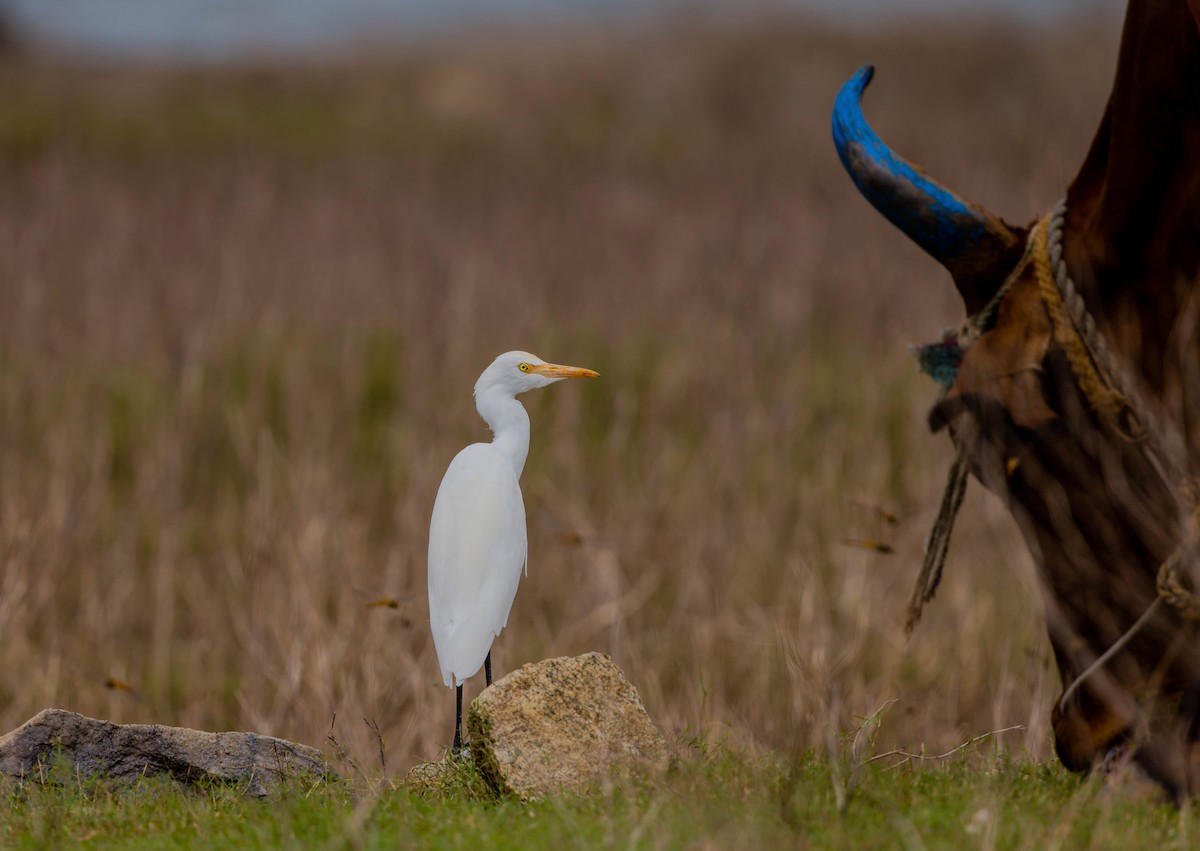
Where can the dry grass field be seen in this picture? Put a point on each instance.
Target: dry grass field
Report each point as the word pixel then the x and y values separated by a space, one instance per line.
pixel 242 310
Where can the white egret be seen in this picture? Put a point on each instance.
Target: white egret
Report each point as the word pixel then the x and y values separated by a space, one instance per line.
pixel 477 538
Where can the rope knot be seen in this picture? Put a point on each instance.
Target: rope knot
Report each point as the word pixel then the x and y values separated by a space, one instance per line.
pixel 1170 582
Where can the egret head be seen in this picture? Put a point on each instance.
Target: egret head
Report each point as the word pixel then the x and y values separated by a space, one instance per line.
pixel 515 372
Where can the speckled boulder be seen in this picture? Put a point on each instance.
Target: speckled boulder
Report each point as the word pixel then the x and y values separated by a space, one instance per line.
pixel 55 739
pixel 562 725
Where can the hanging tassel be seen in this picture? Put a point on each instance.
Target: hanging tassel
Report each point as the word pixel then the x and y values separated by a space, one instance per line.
pixel 941 360
pixel 937 545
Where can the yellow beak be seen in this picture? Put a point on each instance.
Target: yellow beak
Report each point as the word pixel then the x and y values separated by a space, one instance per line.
pixel 558 370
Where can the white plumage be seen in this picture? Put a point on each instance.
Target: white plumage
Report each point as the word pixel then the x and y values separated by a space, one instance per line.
pixel 477 546
pixel 477 537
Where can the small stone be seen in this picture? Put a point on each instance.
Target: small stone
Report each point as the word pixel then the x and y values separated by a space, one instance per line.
pixel 55 739
pixel 562 725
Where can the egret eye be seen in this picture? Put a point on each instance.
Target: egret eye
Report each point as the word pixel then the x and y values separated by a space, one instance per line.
pixel 524 367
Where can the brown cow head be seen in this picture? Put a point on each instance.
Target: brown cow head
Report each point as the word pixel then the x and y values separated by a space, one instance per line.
pixel 1098 510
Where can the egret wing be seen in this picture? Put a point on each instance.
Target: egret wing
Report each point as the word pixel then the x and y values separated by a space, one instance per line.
pixel 477 546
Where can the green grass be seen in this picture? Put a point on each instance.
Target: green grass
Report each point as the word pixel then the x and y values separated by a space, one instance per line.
pixel 726 800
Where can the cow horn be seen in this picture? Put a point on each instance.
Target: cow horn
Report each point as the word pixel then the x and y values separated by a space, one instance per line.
pixel 978 249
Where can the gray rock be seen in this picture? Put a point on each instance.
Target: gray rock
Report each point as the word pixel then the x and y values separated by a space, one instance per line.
pixel 55 739
pixel 562 725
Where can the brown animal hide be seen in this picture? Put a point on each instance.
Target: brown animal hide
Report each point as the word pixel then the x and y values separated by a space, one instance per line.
pixel 1100 504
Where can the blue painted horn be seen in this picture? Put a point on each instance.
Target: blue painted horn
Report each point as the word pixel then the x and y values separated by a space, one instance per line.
pixel 978 248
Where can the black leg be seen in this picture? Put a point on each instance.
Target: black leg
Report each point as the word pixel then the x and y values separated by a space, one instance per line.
pixel 487 667
pixel 457 747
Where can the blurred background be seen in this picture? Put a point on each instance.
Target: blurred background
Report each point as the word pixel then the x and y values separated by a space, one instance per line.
pixel 231 29
pixel 254 255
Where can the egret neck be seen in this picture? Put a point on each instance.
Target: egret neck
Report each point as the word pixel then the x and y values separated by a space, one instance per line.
pixel 509 422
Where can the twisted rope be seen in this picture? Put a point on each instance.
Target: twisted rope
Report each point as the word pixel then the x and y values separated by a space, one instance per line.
pixel 1073 327
pixel 1101 380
